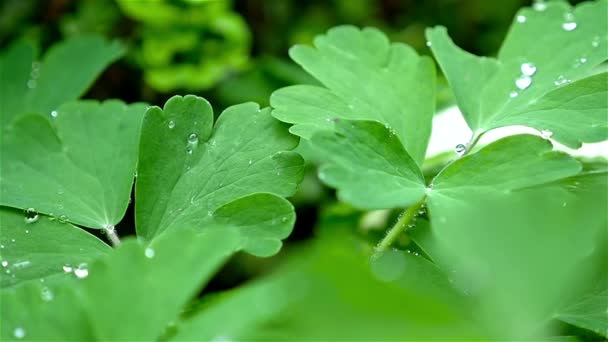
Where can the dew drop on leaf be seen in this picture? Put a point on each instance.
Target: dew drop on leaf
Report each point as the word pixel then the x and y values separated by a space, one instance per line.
pixel 595 42
pixel 523 82
pixel 19 332
pixel 46 294
pixel 67 268
pixel 171 124
pixel 521 18
pixel 149 253
pixel 569 24
pixel 63 218
pixel 31 215
pixel 428 43
pixel 32 84
pixel 561 80
pixel 284 219
pixel 193 139
pixel 81 271
pixel 22 264
pixel 4 263
pixel 539 5
pixel 528 69
pixel 460 149
pixel 513 94
pixel 189 150
pixel 250 161
pixel 54 114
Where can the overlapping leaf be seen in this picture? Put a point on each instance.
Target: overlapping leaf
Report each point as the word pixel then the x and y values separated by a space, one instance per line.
pixel 589 312
pixel 76 164
pixel 31 86
pixel 146 286
pixel 550 88
pixel 365 78
pixel 36 247
pixel 194 174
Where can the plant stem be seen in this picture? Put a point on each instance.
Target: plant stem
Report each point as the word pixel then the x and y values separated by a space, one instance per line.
pixel 112 236
pixel 474 140
pixel 408 215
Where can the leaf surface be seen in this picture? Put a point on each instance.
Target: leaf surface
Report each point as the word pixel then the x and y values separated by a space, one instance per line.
pixel 589 312
pixel 192 173
pixel 77 165
pixel 527 85
pixel 365 77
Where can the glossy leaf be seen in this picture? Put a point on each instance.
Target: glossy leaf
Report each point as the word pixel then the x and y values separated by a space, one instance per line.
pixel 77 164
pixel 365 77
pixel 589 312
pixel 194 174
pixel 528 85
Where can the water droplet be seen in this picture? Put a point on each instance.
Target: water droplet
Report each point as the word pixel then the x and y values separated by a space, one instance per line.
pixel 13 240
pixel 278 173
pixel 35 65
pixel 54 114
pixel 561 80
pixel 27 231
pixel 4 263
pixel 1 246
pixel 250 161
pixel 149 253
pixel 209 213
pixel 193 139
pixel 284 219
pixel 569 25
pixel 428 43
pixel 63 218
pixel 513 94
pixel 546 134
pixel 523 82
pixel 539 5
pixel 32 84
pixel 564 204
pixel 7 271
pixel 189 150
pixel 521 18
pixel 595 42
pixel 528 69
pixel 46 294
pixel 583 60
pixel 22 264
pixel 67 268
pixel 31 215
pixel 171 124
pixel 460 149
pixel 19 332
pixel 82 271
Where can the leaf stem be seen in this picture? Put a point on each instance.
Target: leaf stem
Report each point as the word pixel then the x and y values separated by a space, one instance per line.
pixel 111 234
pixel 404 220
pixel 474 140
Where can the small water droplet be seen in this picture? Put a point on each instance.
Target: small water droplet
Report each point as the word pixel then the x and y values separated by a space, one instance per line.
pixel 564 204
pixel 63 218
pixel 31 215
pixel 149 253
pixel 67 268
pixel 278 173
pixel 27 231
pixel 583 60
pixel 193 139
pixel 428 43
pixel 513 94
pixel 561 80
pixel 19 332
pixel 595 42
pixel 4 263
pixel 13 240
pixel 189 150
pixel 284 219
pixel 528 69
pixel 523 82
pixel 81 271
pixel 32 84
pixel 539 5
pixel 250 161
pixel 460 149
pixel 1 246
pixel 569 25
pixel 171 124
pixel 54 114
pixel 546 134
pixel 209 213
pixel 521 18
pixel 7 271
pixel 46 294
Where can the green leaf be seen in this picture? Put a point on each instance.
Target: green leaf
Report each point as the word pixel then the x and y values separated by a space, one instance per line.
pixel 193 174
pixel 77 165
pixel 41 87
pixel 34 247
pixel 589 312
pixel 149 286
pixel 523 251
pixel 365 78
pixel 368 165
pixel 491 94
pixel 507 164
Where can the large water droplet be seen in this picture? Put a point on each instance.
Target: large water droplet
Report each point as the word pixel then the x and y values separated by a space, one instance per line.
pixel 67 268
pixel 523 82
pixel 528 69
pixel 81 271
pixel 171 124
pixel 31 215
pixel 460 149
pixel 149 253
pixel 521 18
pixel 569 24
pixel 19 332
pixel 4 263
pixel 46 294
pixel 193 139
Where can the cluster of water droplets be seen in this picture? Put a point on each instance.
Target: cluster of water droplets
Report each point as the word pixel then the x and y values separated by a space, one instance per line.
pixel 192 143
pixel 569 23
pixel 81 271
pixel 34 74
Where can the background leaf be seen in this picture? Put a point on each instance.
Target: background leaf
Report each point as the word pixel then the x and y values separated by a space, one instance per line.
pixel 189 171
pixel 366 78
pixel 589 312
pixel 77 164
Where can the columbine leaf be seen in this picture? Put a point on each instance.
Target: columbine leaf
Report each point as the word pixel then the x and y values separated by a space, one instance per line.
pixel 77 164
pixel 589 312
pixel 365 78
pixel 147 286
pixel 507 164
pixel 190 172
pixel 34 247
pixel 41 87
pixel 369 165
pixel 519 87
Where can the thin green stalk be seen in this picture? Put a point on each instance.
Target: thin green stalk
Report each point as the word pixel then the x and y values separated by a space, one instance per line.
pixel 474 140
pixel 408 215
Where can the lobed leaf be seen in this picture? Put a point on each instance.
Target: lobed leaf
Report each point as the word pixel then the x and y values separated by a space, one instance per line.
pixel 192 174
pixel 365 77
